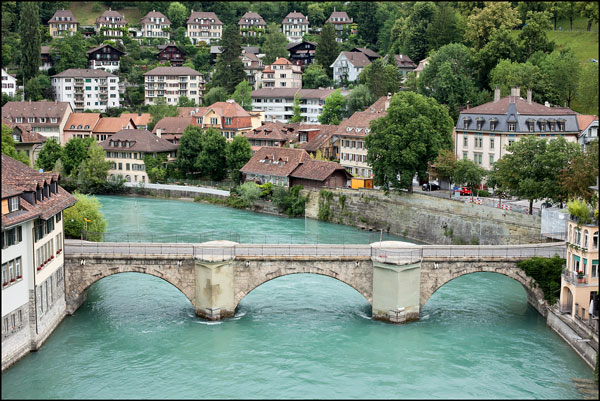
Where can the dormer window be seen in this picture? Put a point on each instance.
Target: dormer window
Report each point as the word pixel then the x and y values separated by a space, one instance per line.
pixel 480 122
pixel 551 125
pixel 493 124
pixel 561 125
pixel 542 125
pixel 79 126
pixel 13 204
pixel 530 124
pixel 87 127
pixel 466 122
pixel 111 143
pixel 512 126
pixel 73 126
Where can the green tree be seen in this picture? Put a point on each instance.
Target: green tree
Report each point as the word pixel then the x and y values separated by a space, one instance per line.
pixel 359 99
pixel 92 172
pixel 184 101
pixel 50 153
pixel 237 154
pixel 380 78
pixel 160 110
pixel 531 169
pixel 482 22
pixel 327 49
pixel 444 166
pixel 38 88
pixel 502 45
pixel 316 14
pixel 589 10
pixel 315 76
pixel 446 27
pixel 274 45
pixel 229 69
pixel 8 146
pixel 177 14
pixel 216 94
pixel 29 29
pixel 211 161
pixel 249 192
pixel 75 152
pixel 364 15
pixel 414 36
pixel 69 52
pixel 401 145
pixel 334 109
pixel 243 95
pixel 203 59
pixel 467 172
pixel 533 35
pixel 560 72
pixel 297 117
pixel 86 208
pixel 156 167
pixel 587 89
pixel 508 74
pixel 570 10
pixel 190 146
pixel 580 173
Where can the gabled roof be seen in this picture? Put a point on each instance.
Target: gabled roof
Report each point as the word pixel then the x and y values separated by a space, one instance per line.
pixel 139 140
pixel 317 170
pixel 584 121
pixel 204 15
pixel 84 119
pixel 295 15
pixel 291 45
pixel 191 111
pixel 254 16
pixel 172 125
pixel 95 49
pixel 250 49
pixel 271 131
pixel 262 161
pixel 366 51
pixel 173 71
pixel 282 61
pixel 63 13
pixel 112 124
pixel 163 47
pixel 339 14
pixel 522 107
pixel 403 61
pixel 111 14
pixel 229 108
pixel 84 73
pixel 43 108
pixel 154 14
pixel 358 122
pixel 357 59
pixel 18 178
pixel 138 119
pixel 422 64
pixel 325 132
pixel 27 135
pixel 291 92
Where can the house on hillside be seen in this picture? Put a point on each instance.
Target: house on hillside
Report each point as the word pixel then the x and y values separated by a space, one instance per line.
pixel 9 83
pixel 205 27
pixel 294 26
pixel 371 55
pixel 302 53
pixel 141 120
pixel 281 74
pixel 172 128
pixel 348 65
pixel 269 134
pixel 26 140
pixel 252 24
pixel 46 60
pixel 108 126
pixel 228 117
pixel 404 64
pixel 106 57
pixel 155 25
pixel 111 25
pixel 45 117
pixel 87 89
pixel 170 83
pixel 62 23
pixel 170 53
pixel 588 129
pixel 341 22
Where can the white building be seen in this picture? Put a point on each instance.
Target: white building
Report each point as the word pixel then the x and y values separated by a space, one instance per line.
pixel 9 83
pixel 155 25
pixel 45 117
pixel 205 27
pixel 277 103
pixel 348 65
pixel 169 83
pixel 281 74
pixel 111 24
pixel 294 26
pixel 33 290
pixel 87 89
pixel 252 24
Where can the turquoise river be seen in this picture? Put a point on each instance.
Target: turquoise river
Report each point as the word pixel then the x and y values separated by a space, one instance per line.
pixel 298 336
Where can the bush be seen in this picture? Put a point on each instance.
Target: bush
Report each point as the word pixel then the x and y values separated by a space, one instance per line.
pixel 580 210
pixel 546 272
pixel 249 193
pixel 290 202
pixel 87 207
pixel 482 192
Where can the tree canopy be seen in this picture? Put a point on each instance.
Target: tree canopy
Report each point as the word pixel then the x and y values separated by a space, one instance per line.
pixel 8 146
pixel 334 109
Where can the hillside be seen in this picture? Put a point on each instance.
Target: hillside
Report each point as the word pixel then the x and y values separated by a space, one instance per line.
pixel 86 12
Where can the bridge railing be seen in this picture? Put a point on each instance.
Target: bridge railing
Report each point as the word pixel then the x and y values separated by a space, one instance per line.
pixel 494 251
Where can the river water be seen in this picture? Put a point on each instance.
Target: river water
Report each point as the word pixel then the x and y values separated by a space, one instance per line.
pixel 298 336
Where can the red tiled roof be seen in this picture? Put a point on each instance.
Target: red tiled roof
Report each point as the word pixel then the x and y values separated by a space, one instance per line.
pixel 83 119
pixel 240 117
pixel 584 120
pixel 204 15
pixel 63 13
pixel 272 131
pixel 295 15
pixel 154 14
pixel 138 119
pixel 523 107
pixel 262 161
pixel 357 59
pixel 42 108
pixel 403 60
pixel 317 170
pixel 140 140
pixel 339 14
pixel 27 135
pixel 191 111
pixel 254 16
pixel 282 61
pixel 361 119
pixel 172 125
pixel 112 124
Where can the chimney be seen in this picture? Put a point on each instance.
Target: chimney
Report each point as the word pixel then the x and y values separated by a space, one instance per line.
pixel 496 94
pixel 158 132
pixel 529 93
pixel 139 111
pixel 387 101
pixel 547 104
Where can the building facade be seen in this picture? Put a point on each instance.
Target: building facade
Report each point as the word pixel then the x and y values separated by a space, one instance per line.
pixel 26 140
pixel 108 126
pixel 62 23
pixel 9 83
pixel 170 53
pixel 111 25
pixel 228 117
pixel 294 26
pixel 169 83
pixel 252 24
pixel 253 66
pixel 105 57
pixel 302 53
pixel 484 132
pixel 277 103
pixel 155 25
pixel 87 89
pixel 204 27
pixel 45 117
pixel 348 65
pixel 404 64
pixel 46 60
pixel 281 74
pixel 588 129
pixel 80 125
pixel 33 290
pixel 342 24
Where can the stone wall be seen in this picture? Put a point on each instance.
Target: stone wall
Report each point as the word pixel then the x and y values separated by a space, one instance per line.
pixel 583 348
pixel 426 218
pixel 17 342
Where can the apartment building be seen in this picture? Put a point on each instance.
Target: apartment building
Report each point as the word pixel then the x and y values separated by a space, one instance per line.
pixel 342 24
pixel 205 27
pixel 281 74
pixel 252 24
pixel 111 24
pixel 9 83
pixel 87 89
pixel 45 117
pixel 33 286
pixel 228 117
pixel 348 65
pixel 351 134
pixel 484 132
pixel 294 26
pixel 277 103
pixel 169 83
pixel 155 25
pixel 62 23
pixel 106 57
pixel 126 150
pixel 253 66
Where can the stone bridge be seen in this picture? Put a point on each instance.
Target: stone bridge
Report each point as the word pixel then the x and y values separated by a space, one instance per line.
pixel 396 278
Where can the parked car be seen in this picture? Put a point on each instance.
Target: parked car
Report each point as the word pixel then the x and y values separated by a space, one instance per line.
pixel 430 186
pixel 463 190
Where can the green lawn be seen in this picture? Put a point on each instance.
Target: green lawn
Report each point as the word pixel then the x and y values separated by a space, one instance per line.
pixel 584 44
pixel 83 11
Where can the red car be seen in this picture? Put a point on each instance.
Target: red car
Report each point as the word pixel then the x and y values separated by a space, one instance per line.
pixel 463 191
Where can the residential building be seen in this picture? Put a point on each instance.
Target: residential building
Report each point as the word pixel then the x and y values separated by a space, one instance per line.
pixel 33 286
pixel 62 22
pixel 371 55
pixel 289 167
pixel 269 134
pixel 348 65
pixel 281 74
pixel 155 25
pixel 111 25
pixel 87 89
pixel 228 117
pixel 342 24
pixel 404 64
pixel 45 117
pixel 351 134
pixel 294 26
pixel 9 83
pixel 588 129
pixel 252 24
pixel 205 27
pixel 126 150
pixel 46 62
pixel 253 66
pixel 106 57
pixel 170 53
pixel 141 120
pixel 579 289
pixel 191 111
pixel 80 125
pixel 483 132
pixel 422 64
pixel 302 53
pixel 26 140
pixel 172 128
pixel 257 118
pixel 108 126
pixel 320 138
pixel 170 83
pixel 277 103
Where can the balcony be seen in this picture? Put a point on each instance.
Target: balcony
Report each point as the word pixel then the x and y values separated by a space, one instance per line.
pixel 572 278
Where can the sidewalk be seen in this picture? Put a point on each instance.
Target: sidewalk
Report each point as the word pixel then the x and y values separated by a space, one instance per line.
pixel 199 190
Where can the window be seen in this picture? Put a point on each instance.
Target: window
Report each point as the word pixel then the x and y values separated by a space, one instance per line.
pixel 13 204
pixel 228 120
pixel 58 216
pixel 478 141
pixel 595 241
pixel 465 140
pixel 465 155
pixel 594 269
pixel 491 143
pixel 512 126
pixel 491 160
pixel 585 239
pixel 479 124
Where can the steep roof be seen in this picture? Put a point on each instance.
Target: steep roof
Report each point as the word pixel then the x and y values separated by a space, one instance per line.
pixel 250 49
pixel 301 44
pixel 63 14
pixel 110 13
pixel 139 140
pixel 84 73
pixel 204 15
pixel 43 108
pixel 173 71
pixel 403 61
pixel 584 121
pixel 112 124
pixel 325 133
pixel 282 61
pixel 254 16
pixel 172 125
pixel 317 170
pixel 27 135
pixel 154 14
pixel 339 14
pixel 229 108
pixel 95 49
pixel 295 15
pixel 191 111
pixel 18 178
pixel 358 123
pixel 84 119
pixel 367 52
pixel 522 106
pixel 138 119
pixel 422 64
pixel 357 59
pixel 272 131
pixel 262 161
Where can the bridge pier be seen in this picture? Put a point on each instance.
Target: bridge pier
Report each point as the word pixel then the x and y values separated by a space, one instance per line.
pixel 396 291
pixel 214 297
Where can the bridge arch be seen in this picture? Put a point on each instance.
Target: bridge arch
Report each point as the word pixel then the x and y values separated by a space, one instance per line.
pixel 432 279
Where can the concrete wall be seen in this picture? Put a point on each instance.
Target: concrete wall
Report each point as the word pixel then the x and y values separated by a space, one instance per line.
pixel 426 218
pixel 572 337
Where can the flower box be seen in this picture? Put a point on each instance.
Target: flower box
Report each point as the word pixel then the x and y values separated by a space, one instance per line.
pixel 12 280
pixel 5 283
pixel 52 257
pixel 18 277
pixel 39 268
